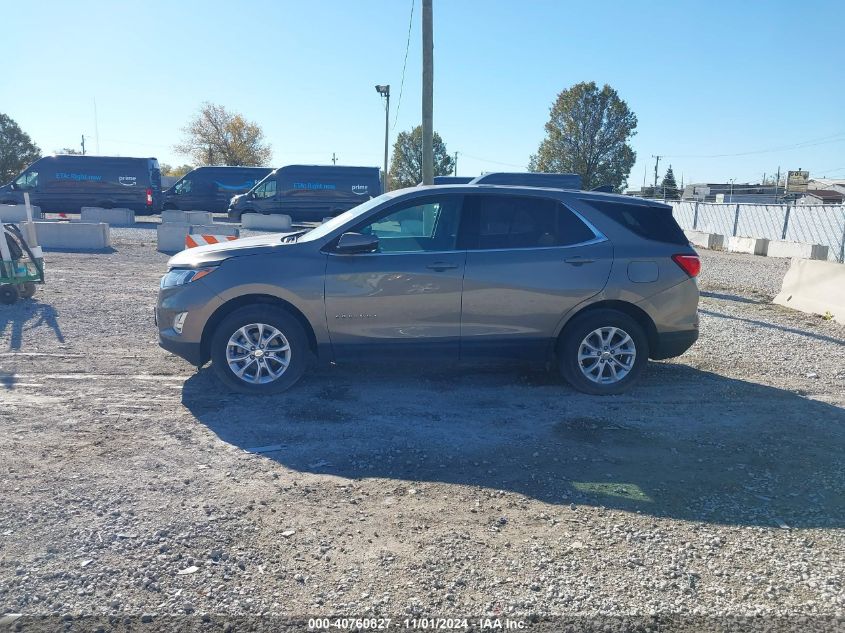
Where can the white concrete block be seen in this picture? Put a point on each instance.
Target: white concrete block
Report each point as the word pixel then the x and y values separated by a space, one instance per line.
pixel 78 236
pixel 712 241
pixel 261 222
pixel 112 217
pixel 782 248
pixel 751 245
pixel 171 236
pixel 186 217
pixel 815 287
pixel 17 212
pixel 214 229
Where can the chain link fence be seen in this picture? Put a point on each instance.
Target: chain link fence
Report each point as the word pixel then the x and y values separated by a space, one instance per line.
pixel 812 224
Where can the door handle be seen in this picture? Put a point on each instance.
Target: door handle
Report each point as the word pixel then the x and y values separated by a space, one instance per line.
pixel 578 261
pixel 441 266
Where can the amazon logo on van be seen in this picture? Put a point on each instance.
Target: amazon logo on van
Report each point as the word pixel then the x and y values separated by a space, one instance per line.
pixel 360 189
pixel 127 181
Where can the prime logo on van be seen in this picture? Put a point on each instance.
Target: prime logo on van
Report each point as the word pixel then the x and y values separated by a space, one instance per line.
pixel 127 181
pixel 360 189
pixel 63 175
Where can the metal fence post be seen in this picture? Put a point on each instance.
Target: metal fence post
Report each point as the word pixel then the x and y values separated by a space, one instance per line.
pixel 695 217
pixel 785 222
pixel 842 243
pixel 736 220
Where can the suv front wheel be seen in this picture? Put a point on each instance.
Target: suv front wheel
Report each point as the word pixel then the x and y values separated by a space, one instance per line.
pixel 603 352
pixel 259 349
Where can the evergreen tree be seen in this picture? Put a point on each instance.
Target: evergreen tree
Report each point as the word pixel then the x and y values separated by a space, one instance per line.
pixel 669 186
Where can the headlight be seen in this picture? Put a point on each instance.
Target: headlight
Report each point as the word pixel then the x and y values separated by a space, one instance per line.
pixel 182 276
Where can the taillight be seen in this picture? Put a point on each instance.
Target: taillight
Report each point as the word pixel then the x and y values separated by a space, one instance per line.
pixel 690 264
pixel 149 197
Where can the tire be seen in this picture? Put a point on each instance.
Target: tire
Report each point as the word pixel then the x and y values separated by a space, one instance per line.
pixel 27 290
pixel 603 331
pixel 297 356
pixel 8 294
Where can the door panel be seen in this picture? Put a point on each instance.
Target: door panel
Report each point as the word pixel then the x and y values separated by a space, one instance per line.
pixel 381 303
pixel 514 299
pixel 407 296
pixel 529 261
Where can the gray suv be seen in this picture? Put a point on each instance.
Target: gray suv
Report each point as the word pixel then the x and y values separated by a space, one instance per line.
pixel 592 283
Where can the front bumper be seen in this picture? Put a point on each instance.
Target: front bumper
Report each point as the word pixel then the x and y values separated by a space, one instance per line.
pixel 199 302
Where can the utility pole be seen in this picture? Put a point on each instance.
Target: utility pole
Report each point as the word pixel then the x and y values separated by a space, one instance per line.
pixel 210 155
pixel 384 91
pixel 455 171
pixel 427 94
pixel 777 184
pixel 334 159
pixel 656 163
pixel 83 145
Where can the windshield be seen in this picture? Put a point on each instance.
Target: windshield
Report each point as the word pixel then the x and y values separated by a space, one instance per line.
pixel 338 221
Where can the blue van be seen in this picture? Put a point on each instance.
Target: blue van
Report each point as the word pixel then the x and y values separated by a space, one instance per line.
pixel 65 183
pixel 211 188
pixel 309 192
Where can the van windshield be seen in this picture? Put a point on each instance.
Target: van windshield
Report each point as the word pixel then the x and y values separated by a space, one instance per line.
pixel 338 221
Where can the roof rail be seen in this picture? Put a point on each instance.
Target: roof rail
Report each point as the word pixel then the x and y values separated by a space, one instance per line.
pixel 529 179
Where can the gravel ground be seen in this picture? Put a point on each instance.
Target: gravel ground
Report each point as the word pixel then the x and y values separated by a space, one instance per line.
pixel 132 486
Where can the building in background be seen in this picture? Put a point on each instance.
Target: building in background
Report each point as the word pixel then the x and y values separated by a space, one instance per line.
pixel 821 196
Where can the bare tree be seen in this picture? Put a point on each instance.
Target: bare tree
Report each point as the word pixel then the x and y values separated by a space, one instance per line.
pixel 216 136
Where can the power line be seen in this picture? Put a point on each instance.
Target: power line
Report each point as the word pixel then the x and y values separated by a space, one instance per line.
pixel 833 138
pixel 495 162
pixel 404 66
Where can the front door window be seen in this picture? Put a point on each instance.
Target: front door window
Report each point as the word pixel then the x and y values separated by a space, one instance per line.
pixel 422 226
pixel 29 180
pixel 267 189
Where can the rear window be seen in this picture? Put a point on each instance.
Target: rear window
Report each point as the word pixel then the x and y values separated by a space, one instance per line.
pixel 651 222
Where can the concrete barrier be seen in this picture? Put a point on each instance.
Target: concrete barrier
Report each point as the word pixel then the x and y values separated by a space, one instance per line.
pixel 817 287
pixel 261 222
pixel 712 241
pixel 171 237
pixel 174 216
pixel 17 212
pixel 77 236
pixel 781 248
pixel 112 217
pixel 751 245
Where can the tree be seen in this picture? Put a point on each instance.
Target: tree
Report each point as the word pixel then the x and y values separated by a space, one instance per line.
pixel 587 134
pixel 17 151
pixel 668 186
pixel 176 172
pixel 216 136
pixel 69 150
pixel 406 165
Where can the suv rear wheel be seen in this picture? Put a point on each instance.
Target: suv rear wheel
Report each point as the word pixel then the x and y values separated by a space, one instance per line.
pixel 603 352
pixel 259 349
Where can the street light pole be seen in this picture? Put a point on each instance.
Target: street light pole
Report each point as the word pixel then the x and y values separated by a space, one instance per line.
pixel 384 91
pixel 731 195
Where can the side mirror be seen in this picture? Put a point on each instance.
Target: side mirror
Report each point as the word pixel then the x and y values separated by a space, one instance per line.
pixel 354 243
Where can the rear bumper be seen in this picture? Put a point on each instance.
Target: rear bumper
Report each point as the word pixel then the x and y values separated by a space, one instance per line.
pixel 671 344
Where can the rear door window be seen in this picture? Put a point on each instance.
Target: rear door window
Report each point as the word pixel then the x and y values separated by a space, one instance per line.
pixel 504 222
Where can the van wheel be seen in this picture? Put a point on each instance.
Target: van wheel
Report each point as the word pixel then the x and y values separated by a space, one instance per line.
pixel 603 352
pixel 8 294
pixel 106 204
pixel 259 349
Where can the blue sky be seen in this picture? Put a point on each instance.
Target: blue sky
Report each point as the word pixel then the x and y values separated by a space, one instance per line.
pixel 709 81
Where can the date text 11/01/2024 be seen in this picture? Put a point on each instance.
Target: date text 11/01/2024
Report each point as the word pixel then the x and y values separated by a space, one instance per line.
pixel 425 624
